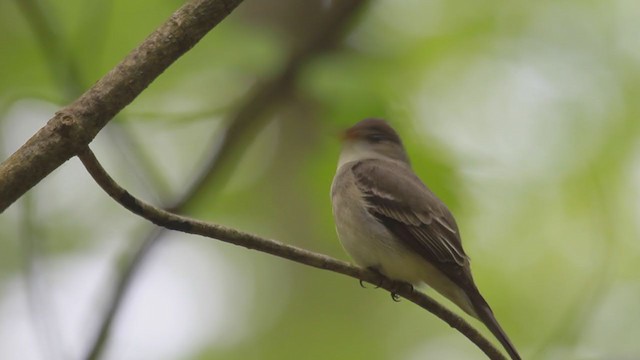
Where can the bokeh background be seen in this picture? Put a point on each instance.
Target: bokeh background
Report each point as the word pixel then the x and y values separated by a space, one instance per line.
pixel 522 116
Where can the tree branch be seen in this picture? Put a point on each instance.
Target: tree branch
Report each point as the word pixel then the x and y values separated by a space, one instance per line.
pixel 73 127
pixel 241 127
pixel 184 224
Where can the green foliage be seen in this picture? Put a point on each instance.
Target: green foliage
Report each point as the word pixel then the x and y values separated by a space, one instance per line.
pixel 522 117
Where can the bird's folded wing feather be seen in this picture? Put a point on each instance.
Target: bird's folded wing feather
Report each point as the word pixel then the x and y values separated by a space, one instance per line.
pixel 399 200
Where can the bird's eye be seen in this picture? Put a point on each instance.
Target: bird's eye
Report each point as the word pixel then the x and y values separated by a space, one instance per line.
pixel 376 138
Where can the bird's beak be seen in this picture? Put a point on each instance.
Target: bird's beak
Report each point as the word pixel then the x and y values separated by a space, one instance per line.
pixel 348 134
pixel 342 135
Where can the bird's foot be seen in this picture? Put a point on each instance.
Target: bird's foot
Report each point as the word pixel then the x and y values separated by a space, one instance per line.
pixel 374 270
pixel 399 287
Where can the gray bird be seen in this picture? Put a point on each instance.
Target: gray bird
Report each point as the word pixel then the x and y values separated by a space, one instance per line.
pixel 390 222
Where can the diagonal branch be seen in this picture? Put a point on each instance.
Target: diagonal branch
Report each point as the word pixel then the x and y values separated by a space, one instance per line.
pixel 73 127
pixel 184 224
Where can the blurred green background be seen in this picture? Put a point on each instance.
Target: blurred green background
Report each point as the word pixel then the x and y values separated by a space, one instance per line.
pixel 522 116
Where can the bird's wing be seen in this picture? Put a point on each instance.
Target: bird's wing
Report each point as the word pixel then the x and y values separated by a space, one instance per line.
pixel 399 200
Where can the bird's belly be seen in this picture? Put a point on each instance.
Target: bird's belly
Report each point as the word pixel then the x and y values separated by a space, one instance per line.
pixel 370 244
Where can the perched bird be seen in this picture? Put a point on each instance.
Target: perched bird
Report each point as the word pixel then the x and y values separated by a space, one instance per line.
pixel 390 222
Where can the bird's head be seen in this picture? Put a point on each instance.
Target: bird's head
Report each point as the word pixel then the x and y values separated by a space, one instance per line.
pixel 372 139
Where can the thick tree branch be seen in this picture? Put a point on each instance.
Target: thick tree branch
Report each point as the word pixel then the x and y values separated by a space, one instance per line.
pixel 73 127
pixel 184 224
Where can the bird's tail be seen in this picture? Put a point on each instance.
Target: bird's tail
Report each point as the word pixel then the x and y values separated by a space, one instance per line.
pixel 483 313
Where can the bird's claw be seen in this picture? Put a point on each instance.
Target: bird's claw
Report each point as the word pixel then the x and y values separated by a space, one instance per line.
pixel 398 288
pixel 375 286
pixel 374 270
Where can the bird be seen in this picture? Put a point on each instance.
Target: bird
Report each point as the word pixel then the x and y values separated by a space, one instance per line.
pixel 390 222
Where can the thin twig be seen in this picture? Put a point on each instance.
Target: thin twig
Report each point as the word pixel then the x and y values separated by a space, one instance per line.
pixel 64 70
pixel 187 225
pixel 241 127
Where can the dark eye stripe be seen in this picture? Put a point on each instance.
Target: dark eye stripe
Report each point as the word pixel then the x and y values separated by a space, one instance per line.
pixel 377 137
